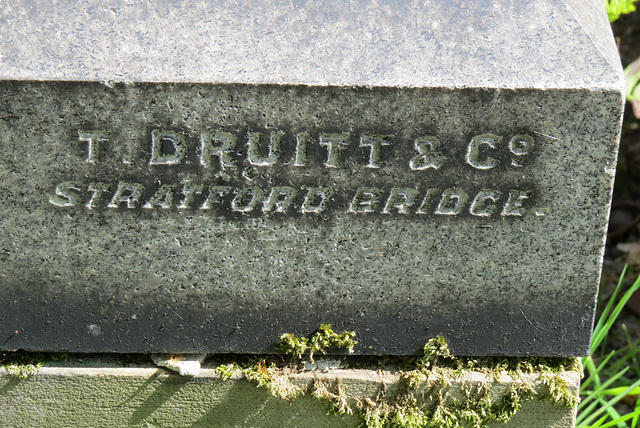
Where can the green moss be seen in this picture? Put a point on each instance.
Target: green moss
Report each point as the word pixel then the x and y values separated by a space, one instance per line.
pixel 272 378
pixel 424 395
pixel 62 356
pixel 22 364
pixel 335 392
pixel 23 370
pixel 559 390
pixel 325 338
pixel 430 391
pixel 226 370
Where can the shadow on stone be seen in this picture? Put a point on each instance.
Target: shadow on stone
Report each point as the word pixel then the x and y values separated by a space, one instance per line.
pixel 246 405
pixel 11 383
pixel 167 389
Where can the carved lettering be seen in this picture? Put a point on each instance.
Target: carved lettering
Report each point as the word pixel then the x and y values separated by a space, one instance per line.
pixel 426 202
pixel 216 193
pixel 520 146
pixel 246 200
pixel 129 193
pixel 189 191
pixel 279 200
pixel 375 144
pixel 475 156
pixel 401 200
pixel 316 200
pixel 167 147
pixel 67 194
pixel 404 201
pixel 481 207
pixel 452 202
pixel 273 149
pixel 220 145
pixel 302 140
pixel 334 144
pixel 514 205
pixel 163 198
pixel 366 200
pixel 265 175
pixel 429 155
pixel 266 148
pixel 93 140
pixel 96 189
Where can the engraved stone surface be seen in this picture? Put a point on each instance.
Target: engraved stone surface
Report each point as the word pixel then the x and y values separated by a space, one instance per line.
pixel 204 179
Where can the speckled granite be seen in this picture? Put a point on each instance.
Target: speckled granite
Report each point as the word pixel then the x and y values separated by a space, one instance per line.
pixel 380 190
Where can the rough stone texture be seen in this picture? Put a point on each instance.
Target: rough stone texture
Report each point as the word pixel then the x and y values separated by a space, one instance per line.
pixel 511 102
pixel 102 394
pixel 489 43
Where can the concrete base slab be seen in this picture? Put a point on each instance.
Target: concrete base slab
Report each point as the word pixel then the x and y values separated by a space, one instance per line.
pixel 99 392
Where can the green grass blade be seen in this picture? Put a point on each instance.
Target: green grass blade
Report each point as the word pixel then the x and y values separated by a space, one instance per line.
pixel 622 356
pixel 599 401
pixel 610 377
pixel 597 393
pixel 604 328
pixel 608 406
pixel 617 421
pixel 594 372
pixel 600 422
pixel 598 331
pixel 619 390
pixel 636 413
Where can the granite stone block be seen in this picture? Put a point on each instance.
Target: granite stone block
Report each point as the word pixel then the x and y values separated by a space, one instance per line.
pixel 189 177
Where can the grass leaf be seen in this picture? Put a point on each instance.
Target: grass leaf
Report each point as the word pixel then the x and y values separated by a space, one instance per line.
pixel 605 383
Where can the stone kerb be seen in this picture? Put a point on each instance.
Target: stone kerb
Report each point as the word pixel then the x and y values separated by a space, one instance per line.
pixel 143 395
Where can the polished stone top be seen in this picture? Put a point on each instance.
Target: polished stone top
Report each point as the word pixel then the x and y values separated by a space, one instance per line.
pixel 453 44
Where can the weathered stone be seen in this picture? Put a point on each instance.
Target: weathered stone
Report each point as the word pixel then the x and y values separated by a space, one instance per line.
pixel 112 395
pixel 203 179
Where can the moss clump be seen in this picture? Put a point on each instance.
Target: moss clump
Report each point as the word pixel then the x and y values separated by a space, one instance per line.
pixel 226 370
pixel 334 391
pixel 325 338
pixel 22 364
pixel 559 390
pixel 424 395
pixel 273 379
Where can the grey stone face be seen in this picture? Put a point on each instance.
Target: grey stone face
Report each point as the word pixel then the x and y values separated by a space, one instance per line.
pixel 193 210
